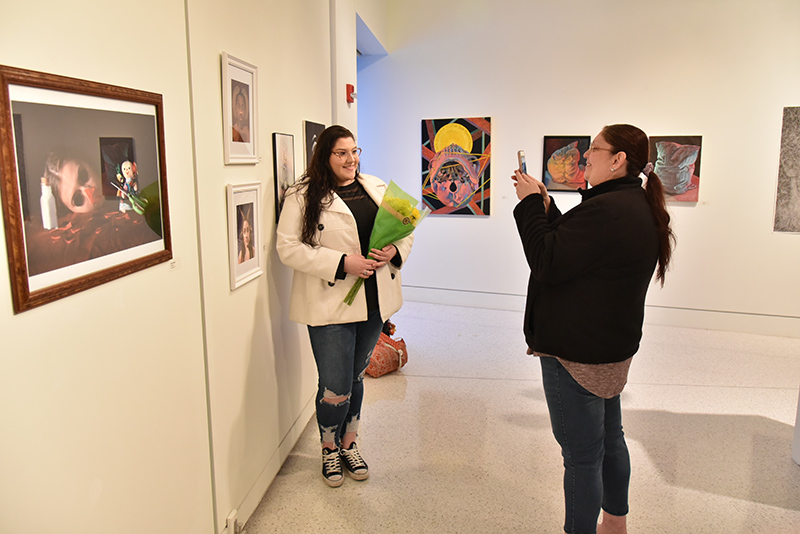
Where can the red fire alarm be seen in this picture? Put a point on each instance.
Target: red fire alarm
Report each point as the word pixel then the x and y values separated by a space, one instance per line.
pixel 350 91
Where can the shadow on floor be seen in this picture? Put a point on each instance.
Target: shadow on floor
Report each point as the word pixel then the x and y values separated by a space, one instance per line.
pixel 740 456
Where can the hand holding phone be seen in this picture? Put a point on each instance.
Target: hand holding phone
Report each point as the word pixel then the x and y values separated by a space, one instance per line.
pixel 522 166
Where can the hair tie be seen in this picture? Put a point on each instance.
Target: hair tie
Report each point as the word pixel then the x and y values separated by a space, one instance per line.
pixel 647 169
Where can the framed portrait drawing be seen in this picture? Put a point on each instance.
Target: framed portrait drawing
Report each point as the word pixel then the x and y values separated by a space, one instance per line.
pixel 239 111
pixel 244 233
pixel 563 163
pixel 84 184
pixel 283 154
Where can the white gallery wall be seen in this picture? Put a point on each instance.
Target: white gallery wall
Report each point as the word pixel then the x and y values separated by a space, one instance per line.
pixel 102 394
pixel 171 433
pixel 717 68
pixel 192 421
pixel 261 375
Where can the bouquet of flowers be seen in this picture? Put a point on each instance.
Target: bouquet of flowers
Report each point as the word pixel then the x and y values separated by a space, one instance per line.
pixel 397 217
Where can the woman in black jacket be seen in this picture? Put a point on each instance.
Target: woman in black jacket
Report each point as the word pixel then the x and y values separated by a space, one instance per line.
pixel 590 271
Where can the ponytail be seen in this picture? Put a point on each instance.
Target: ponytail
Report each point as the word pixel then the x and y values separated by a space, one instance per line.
pixel 654 191
pixel 635 144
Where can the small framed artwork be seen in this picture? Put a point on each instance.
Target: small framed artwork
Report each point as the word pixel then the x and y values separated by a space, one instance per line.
pixel 239 111
pixel 283 153
pixel 563 162
pixel 676 161
pixel 81 208
pixel 312 132
pixel 244 233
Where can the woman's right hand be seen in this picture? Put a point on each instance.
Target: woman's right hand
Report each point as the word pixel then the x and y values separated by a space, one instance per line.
pixel 358 265
pixel 528 185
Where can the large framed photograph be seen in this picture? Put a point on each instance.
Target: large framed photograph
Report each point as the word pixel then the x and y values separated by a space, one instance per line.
pixel 563 162
pixel 244 233
pixel 239 110
pixel 283 152
pixel 84 184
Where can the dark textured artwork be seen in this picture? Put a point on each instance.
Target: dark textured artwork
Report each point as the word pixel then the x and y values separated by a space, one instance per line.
pixel 787 201
pixel 312 132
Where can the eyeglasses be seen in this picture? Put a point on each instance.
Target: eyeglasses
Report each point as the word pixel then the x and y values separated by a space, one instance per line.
pixel 342 154
pixel 593 148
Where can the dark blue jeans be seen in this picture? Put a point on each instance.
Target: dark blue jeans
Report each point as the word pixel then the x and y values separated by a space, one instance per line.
pixel 597 466
pixel 342 353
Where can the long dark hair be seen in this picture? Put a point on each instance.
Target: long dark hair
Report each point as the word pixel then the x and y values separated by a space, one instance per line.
pixel 319 180
pixel 635 144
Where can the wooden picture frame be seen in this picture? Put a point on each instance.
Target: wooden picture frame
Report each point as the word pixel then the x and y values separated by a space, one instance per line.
pixel 245 250
pixel 65 144
pixel 239 111
pixel 283 165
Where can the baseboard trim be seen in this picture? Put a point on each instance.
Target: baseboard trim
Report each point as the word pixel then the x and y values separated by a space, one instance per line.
pixel 764 324
pixel 456 297
pixel 749 323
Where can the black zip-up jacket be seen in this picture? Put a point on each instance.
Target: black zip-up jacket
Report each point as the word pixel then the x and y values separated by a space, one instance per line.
pixel 590 271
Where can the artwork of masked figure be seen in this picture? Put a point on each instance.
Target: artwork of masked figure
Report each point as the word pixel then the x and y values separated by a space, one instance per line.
pixel 454 171
pixel 454 176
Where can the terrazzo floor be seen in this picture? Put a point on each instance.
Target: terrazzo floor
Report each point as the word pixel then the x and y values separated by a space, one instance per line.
pixel 459 440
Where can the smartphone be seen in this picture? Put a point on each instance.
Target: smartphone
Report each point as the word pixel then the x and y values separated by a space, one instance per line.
pixel 521 157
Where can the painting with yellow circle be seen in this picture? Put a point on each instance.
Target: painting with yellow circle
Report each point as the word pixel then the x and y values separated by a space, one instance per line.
pixel 455 165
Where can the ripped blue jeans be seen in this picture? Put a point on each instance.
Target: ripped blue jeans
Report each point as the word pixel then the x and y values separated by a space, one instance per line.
pixel 342 353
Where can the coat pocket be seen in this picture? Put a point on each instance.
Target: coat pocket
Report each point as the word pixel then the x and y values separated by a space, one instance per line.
pixel 338 231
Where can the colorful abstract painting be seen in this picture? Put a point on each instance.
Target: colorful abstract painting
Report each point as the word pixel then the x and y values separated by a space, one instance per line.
pixel 676 161
pixel 455 165
pixel 787 200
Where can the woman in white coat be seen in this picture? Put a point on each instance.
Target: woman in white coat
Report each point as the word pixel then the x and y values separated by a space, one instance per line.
pixel 323 234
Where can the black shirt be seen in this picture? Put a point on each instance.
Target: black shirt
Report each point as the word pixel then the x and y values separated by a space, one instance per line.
pixel 364 210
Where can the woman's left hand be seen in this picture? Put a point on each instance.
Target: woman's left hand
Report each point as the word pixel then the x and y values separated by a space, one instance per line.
pixel 383 255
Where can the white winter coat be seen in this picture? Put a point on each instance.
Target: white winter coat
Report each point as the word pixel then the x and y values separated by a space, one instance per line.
pixel 317 296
